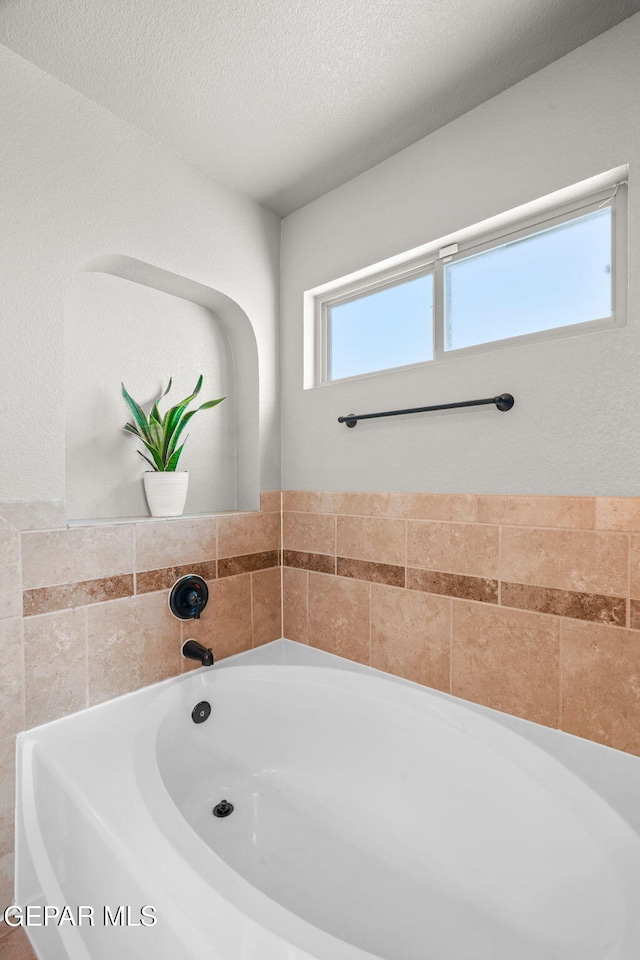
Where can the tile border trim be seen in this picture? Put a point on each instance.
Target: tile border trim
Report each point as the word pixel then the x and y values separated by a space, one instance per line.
pixel 40 600
pixel 65 596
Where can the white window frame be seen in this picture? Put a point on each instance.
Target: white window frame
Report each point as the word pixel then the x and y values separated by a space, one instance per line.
pixel 323 299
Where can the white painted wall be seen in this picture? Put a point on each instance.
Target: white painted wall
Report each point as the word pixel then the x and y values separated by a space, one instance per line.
pixel 78 183
pixel 575 428
pixel 145 336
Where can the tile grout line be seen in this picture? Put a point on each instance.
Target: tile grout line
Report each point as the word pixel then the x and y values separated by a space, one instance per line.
pixel 335 544
pixel 406 554
pixel 306 607
pixel 451 645
pixel 370 620
pixel 251 608
pixel 86 655
pixel 135 561
pixel 23 654
pixel 628 601
pixel 500 571
pixel 281 563
pixel 560 656
pixel 23 679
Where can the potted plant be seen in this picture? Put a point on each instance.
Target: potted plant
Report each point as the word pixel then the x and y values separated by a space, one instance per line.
pixel 164 486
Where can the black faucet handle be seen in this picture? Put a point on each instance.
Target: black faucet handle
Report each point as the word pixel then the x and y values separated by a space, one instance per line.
pixel 188 597
pixel 195 600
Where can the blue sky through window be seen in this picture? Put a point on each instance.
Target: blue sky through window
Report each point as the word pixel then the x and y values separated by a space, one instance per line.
pixel 387 328
pixel 555 278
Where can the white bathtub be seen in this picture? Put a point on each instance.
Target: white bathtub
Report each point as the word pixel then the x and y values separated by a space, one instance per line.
pixel 373 818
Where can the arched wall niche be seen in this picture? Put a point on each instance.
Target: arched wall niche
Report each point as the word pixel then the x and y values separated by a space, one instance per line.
pixel 132 321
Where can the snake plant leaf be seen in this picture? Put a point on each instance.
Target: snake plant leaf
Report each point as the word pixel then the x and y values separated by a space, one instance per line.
pixel 149 444
pixel 154 444
pixel 173 460
pixel 157 456
pixel 155 453
pixel 155 412
pixel 185 420
pixel 173 416
pixel 137 412
pixel 163 395
pixel 152 465
pixel 156 432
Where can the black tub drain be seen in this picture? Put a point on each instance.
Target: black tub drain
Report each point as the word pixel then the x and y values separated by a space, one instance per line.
pixel 223 809
pixel 201 711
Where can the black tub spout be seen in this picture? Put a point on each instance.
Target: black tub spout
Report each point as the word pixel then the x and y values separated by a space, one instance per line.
pixel 193 650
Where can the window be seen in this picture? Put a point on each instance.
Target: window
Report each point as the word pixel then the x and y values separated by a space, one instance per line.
pixel 546 277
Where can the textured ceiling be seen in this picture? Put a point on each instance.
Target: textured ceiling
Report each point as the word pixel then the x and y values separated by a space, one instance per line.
pixel 286 99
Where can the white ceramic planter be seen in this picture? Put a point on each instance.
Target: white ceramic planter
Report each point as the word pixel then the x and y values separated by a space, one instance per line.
pixel 166 492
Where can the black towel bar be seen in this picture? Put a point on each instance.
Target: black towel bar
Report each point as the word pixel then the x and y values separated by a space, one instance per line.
pixel 504 402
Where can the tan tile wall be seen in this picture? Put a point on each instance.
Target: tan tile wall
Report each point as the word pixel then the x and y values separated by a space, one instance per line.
pixel 73 598
pixel 530 605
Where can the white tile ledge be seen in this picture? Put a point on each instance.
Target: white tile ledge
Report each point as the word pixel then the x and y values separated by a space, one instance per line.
pixel 110 522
